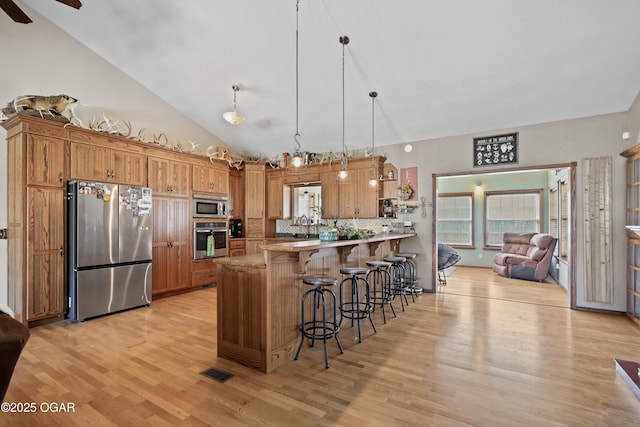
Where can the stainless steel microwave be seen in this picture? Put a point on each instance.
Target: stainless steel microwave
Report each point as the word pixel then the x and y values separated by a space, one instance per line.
pixel 208 206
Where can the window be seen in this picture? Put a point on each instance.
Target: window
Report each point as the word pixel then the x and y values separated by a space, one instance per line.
pixel 455 219
pixel 511 211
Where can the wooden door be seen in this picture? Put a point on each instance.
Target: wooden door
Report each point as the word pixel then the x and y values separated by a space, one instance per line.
pixel 221 181
pixel 201 179
pixel 45 275
pixel 254 192
pixel 45 161
pixel 240 302
pixel 90 162
pixel 236 196
pixel 158 177
pixel 330 195
pixel 367 196
pixel 171 244
pixel 128 168
pixel 181 179
pixel 275 186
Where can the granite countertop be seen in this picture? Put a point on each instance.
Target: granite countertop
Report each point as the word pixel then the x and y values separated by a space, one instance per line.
pixel 254 261
pixel 317 244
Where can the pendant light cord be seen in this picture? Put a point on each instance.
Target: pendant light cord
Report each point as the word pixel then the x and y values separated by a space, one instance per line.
pixel 344 40
pixel 296 137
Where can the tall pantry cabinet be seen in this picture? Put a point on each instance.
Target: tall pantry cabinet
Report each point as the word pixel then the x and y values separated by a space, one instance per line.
pixel 37 157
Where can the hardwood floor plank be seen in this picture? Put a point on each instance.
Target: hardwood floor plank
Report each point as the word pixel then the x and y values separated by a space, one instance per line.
pixel 483 351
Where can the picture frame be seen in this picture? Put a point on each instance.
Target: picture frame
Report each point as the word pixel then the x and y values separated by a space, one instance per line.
pixel 495 150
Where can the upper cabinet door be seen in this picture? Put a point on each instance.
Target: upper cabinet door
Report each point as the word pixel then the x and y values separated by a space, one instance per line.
pixel 45 161
pixel 207 179
pixel 90 162
pixel 128 168
pixel 169 178
pixel 95 163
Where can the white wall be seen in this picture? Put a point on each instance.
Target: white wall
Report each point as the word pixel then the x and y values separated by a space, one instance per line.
pixel 39 59
pixel 543 144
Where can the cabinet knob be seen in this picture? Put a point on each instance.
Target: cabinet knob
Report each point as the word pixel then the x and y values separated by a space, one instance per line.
pixel 61 251
pixel 60 177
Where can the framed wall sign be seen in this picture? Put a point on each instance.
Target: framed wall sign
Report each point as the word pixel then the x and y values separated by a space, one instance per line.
pixel 495 150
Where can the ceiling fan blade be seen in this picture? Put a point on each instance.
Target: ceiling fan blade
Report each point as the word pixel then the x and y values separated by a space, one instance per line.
pixel 14 11
pixel 76 4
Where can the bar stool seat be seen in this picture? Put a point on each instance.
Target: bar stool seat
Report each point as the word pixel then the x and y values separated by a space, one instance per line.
pixel 356 304
pixel 379 279
pixel 320 327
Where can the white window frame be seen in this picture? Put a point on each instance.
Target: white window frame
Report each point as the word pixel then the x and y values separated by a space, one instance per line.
pixel 443 218
pixel 487 219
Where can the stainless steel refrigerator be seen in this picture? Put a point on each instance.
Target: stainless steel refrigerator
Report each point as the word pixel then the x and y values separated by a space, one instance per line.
pixel 109 239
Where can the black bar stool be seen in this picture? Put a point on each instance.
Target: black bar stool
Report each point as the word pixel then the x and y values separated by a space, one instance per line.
pixel 356 305
pixel 397 275
pixel 323 328
pixel 379 279
pixel 410 270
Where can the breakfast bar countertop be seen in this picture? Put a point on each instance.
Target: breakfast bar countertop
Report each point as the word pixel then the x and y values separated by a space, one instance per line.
pixel 303 245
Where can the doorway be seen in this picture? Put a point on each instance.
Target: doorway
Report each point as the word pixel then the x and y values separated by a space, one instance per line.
pixel 566 173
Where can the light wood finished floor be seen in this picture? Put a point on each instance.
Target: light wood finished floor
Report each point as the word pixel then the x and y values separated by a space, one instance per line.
pixel 483 351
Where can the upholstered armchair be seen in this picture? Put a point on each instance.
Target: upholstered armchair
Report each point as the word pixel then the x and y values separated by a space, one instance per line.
pixel 525 256
pixel 13 337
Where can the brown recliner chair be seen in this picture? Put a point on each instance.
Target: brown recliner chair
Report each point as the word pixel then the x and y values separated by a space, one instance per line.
pixel 13 337
pixel 525 256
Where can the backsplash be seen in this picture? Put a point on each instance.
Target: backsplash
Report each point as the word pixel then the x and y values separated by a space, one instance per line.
pixel 284 227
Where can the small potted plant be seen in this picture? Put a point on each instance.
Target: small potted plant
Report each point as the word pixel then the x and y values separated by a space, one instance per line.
pixel 405 190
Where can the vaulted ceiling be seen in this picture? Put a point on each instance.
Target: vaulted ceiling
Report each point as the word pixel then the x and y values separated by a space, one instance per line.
pixel 440 67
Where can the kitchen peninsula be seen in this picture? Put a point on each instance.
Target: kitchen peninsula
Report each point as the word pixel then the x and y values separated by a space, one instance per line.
pixel 259 295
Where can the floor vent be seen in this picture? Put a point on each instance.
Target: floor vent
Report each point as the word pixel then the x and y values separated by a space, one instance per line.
pixel 217 374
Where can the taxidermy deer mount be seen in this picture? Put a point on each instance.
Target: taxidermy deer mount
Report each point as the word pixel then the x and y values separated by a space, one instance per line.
pixel 12 9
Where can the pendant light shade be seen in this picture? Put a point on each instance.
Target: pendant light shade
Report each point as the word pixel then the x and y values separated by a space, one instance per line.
pixel 234 117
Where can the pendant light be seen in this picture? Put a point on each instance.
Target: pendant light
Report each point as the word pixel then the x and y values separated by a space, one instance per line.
pixel 343 175
pixel 296 158
pixel 234 117
pixel 373 182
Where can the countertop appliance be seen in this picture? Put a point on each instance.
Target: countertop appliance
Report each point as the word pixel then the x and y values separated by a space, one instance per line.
pixel 109 232
pixel 235 228
pixel 209 206
pixel 210 239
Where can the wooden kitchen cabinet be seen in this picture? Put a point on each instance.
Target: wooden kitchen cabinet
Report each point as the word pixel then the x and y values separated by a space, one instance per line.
pixel 275 187
pixel 45 160
pixel 97 163
pixel 241 321
pixel 330 195
pixel 354 198
pixel 236 194
pixel 36 177
pixel 203 272
pixel 237 247
pixel 254 190
pixel 208 179
pixel 45 243
pixel 171 247
pixel 169 177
